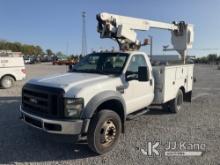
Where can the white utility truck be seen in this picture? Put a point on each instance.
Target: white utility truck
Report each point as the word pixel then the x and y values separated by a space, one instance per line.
pixel 104 89
pixel 12 69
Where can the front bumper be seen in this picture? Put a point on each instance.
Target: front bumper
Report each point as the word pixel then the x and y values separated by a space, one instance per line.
pixel 70 127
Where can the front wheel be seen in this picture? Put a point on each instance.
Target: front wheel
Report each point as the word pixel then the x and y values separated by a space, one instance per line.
pixel 104 131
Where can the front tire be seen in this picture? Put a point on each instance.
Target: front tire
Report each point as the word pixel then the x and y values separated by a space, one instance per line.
pixel 104 131
pixel 7 82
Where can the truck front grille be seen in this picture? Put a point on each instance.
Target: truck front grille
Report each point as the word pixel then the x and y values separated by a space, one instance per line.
pixel 42 101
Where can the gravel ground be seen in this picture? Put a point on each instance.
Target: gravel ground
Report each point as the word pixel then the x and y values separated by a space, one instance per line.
pixel 197 123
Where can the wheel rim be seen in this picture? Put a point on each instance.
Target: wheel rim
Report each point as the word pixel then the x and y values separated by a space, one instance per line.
pixel 108 132
pixel 7 83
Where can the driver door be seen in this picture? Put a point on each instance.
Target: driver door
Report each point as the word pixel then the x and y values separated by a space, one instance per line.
pixel 139 94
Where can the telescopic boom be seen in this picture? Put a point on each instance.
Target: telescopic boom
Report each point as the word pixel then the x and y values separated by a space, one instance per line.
pixel 124 30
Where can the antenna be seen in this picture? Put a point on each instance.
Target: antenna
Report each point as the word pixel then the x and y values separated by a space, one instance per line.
pixel 84 40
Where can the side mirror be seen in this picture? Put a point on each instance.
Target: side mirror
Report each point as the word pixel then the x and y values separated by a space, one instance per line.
pixel 143 74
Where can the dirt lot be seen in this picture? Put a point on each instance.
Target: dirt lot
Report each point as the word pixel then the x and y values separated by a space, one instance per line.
pixel 197 123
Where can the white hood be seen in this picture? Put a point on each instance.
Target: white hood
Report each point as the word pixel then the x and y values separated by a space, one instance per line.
pixel 69 80
pixel 85 85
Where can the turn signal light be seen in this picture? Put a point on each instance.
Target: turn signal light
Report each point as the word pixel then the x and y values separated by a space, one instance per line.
pixel 23 71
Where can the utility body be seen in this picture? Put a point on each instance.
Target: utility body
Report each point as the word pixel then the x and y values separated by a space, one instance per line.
pixel 100 92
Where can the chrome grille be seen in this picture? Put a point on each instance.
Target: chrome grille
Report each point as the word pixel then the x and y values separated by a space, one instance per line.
pixel 42 101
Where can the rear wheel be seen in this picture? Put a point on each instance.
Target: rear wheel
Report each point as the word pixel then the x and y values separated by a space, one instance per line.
pixel 104 131
pixel 7 82
pixel 174 105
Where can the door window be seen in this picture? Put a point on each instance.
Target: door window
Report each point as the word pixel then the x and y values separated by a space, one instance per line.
pixel 136 61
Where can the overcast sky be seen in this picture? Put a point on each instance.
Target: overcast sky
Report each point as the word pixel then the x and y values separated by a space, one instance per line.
pixel 57 23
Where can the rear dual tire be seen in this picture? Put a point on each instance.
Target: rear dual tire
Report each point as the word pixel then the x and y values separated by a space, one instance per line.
pixel 174 105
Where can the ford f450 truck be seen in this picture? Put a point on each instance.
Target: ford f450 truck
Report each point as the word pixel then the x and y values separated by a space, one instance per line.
pixel 96 97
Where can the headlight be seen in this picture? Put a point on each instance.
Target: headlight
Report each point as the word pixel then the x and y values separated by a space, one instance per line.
pixel 73 107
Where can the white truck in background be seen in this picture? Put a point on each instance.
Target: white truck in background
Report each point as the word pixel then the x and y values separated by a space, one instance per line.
pixel 104 89
pixel 12 69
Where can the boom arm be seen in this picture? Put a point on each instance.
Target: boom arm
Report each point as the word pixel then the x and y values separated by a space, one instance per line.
pixel 123 30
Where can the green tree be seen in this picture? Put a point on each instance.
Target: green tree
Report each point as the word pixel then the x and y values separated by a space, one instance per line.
pixel 26 49
pixel 218 59
pixel 38 50
pixel 202 60
pixel 212 58
pixel 49 52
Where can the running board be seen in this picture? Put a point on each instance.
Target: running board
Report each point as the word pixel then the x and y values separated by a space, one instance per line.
pixel 137 114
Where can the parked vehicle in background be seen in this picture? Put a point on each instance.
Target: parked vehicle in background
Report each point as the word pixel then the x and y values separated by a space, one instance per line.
pixel 46 58
pixel 11 69
pixel 56 62
pixel 27 60
pixel 64 62
pixel 32 59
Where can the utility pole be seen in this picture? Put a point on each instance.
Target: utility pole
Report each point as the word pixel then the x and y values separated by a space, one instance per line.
pixel 84 39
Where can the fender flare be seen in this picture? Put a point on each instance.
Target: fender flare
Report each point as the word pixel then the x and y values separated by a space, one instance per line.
pixel 100 98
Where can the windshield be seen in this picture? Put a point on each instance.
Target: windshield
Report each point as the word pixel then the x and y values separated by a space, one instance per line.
pixel 103 63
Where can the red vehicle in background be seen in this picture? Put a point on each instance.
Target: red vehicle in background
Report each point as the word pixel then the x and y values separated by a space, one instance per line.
pixel 64 62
